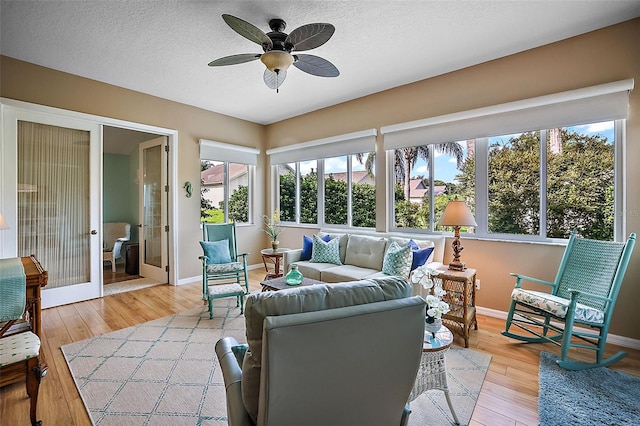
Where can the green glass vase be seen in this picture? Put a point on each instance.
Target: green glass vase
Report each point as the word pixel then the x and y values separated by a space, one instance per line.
pixel 294 276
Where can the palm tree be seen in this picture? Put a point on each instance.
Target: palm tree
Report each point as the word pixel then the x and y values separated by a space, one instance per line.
pixel 406 158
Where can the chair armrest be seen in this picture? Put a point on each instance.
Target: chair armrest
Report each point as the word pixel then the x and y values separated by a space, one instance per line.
pixel 289 257
pixel 232 376
pixel 581 293
pixel 520 278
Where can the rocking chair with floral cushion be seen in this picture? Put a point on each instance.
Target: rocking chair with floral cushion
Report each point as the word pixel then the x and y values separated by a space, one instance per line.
pixel 578 310
pixel 221 262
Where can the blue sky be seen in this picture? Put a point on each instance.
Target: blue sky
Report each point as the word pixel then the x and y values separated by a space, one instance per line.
pixel 445 166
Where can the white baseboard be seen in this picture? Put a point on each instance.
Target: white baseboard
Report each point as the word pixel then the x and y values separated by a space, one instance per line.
pixel 198 278
pixel 611 338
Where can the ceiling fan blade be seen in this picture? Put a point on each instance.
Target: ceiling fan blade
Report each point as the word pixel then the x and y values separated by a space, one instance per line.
pixel 248 30
pixel 309 36
pixel 315 65
pixel 273 80
pixel 234 59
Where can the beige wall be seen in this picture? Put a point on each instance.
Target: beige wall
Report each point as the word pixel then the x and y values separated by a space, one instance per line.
pixel 600 57
pixel 31 83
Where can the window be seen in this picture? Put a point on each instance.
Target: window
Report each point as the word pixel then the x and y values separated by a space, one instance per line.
pixel 226 179
pixel 348 191
pixel 298 192
pixel 224 192
pixel 425 180
pixel 541 177
pixel 570 177
pixel 327 181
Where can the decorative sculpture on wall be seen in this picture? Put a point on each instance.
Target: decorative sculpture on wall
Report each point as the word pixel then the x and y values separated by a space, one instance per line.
pixel 188 188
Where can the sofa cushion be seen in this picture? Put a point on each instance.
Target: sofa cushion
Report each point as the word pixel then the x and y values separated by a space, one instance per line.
pixel 337 274
pixel 307 246
pixel 313 270
pixel 397 260
pixel 325 252
pixel 366 252
pixel 304 299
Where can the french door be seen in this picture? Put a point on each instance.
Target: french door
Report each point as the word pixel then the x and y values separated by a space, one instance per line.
pixel 153 210
pixel 51 199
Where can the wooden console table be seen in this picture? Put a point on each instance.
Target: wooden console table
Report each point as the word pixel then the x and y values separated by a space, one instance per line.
pixel 37 278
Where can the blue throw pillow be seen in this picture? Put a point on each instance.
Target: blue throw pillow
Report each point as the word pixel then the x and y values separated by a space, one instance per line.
pixel 216 251
pixel 420 256
pixel 307 246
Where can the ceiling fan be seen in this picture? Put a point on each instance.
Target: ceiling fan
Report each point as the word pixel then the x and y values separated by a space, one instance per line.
pixel 277 47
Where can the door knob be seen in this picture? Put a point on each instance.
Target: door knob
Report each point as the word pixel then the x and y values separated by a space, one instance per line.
pixel 94 232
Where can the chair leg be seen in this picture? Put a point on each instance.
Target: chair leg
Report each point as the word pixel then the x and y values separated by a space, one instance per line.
pixel 211 308
pixel 241 303
pixel 34 374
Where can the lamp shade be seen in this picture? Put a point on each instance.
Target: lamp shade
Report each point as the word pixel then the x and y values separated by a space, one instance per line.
pixel 3 224
pixel 457 214
pixel 277 60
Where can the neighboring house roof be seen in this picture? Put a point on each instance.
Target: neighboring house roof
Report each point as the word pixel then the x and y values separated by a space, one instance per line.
pixel 356 177
pixel 215 175
pixel 417 189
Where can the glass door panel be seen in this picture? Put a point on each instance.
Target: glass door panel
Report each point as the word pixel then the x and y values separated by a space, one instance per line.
pixel 153 210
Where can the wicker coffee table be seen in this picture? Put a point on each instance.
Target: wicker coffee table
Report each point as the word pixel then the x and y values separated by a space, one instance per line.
pixel 280 284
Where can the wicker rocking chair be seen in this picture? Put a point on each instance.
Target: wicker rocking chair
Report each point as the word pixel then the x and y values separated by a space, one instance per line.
pixel 578 310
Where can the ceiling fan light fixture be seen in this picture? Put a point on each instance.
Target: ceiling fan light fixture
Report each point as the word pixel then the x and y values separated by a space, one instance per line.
pixel 277 60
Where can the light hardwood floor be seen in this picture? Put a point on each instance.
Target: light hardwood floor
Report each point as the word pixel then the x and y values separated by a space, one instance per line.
pixel 509 394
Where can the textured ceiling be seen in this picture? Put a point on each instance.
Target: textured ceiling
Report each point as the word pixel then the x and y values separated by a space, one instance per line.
pixel 163 47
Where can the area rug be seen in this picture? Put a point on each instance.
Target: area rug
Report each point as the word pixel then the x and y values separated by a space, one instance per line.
pixel 598 396
pixel 129 285
pixel 165 372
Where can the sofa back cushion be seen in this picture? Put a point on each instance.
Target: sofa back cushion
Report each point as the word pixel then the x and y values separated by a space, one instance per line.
pixel 304 299
pixel 365 252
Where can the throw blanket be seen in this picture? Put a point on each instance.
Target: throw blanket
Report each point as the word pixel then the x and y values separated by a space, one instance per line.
pixel 13 289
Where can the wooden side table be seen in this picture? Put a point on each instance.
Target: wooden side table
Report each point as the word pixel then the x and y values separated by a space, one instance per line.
pixel 432 373
pixel 461 297
pixel 272 260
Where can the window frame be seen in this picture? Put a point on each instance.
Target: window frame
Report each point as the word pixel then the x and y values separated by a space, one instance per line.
pixel 226 194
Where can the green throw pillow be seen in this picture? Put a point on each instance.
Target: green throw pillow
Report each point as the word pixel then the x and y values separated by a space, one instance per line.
pixel 397 260
pixel 325 252
pixel 216 251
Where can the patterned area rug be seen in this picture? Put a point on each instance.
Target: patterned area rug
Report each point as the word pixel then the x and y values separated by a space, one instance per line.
pixel 598 396
pixel 129 285
pixel 165 372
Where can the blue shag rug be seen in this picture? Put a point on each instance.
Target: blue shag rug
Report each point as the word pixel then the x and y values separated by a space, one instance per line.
pixel 598 396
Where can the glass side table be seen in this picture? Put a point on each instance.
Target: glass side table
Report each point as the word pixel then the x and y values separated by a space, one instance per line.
pixel 432 373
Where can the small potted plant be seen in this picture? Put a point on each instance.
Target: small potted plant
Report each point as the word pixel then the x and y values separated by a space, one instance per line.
pixel 272 228
pixel 436 307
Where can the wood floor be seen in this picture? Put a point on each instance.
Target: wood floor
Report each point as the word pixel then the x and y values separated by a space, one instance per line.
pixel 509 394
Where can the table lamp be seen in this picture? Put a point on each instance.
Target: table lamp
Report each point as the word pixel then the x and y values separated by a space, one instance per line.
pixel 457 214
